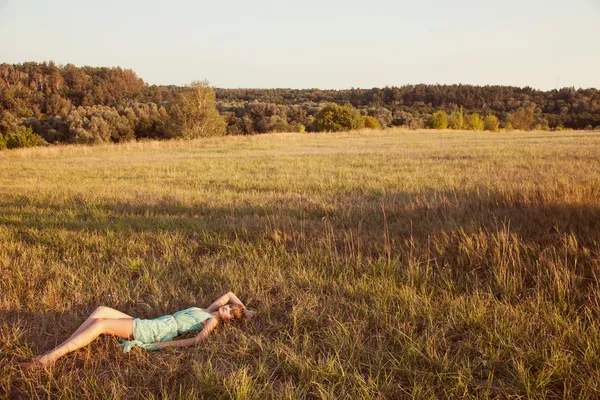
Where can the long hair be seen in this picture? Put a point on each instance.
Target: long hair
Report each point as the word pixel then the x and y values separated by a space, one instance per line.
pixel 237 311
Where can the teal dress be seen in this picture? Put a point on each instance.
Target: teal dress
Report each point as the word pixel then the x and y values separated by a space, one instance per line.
pixel 165 328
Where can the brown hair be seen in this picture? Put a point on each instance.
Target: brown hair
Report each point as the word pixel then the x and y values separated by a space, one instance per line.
pixel 237 311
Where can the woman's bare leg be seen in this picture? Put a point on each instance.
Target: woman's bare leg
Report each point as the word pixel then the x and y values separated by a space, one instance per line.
pixel 121 327
pixel 100 312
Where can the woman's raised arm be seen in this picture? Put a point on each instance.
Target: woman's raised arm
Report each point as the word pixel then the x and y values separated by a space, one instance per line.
pixel 223 300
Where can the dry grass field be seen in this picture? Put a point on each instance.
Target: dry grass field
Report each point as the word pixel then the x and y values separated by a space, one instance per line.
pixel 383 264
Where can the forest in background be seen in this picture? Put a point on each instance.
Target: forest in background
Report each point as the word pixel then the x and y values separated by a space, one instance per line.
pixel 46 102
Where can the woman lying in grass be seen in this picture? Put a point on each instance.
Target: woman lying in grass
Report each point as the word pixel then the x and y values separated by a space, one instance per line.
pixel 151 334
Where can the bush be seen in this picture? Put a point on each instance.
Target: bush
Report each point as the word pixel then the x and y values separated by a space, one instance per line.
pixel 456 120
pixel 296 127
pixel 382 115
pixel 522 118
pixel 194 114
pixel 2 142
pixel 371 122
pixel 336 118
pixel 275 124
pixel 491 123
pixel 23 137
pixel 474 122
pixel 439 120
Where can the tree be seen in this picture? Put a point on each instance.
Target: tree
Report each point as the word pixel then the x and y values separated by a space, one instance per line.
pixel 439 120
pixel 522 118
pixel 193 113
pixel 23 137
pixel 2 142
pixel 456 120
pixel 383 115
pixel 491 123
pixel 371 122
pixel 336 118
pixel 474 122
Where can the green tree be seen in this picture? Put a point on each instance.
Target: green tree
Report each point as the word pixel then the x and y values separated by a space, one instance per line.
pixel 296 127
pixel 383 115
pixel 491 123
pixel 23 137
pixel 193 113
pixel 456 120
pixel 371 122
pixel 439 120
pixel 522 118
pixel 474 122
pixel 336 118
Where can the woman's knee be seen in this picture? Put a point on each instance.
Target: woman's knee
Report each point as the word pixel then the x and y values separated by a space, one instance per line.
pixel 99 311
pixel 122 327
pixel 107 312
pixel 99 325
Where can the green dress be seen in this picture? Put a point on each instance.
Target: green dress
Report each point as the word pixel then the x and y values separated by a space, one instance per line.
pixel 165 328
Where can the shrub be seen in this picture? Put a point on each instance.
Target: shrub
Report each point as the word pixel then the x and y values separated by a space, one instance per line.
pixel 474 122
pixel 491 123
pixel 2 142
pixel 522 118
pixel 296 127
pixel 23 137
pixel 382 115
pixel 276 123
pixel 234 130
pixel 194 114
pixel 336 118
pixel 371 122
pixel 456 120
pixel 439 120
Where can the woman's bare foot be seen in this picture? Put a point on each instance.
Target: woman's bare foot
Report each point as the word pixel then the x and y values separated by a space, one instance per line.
pixel 33 364
pixel 25 365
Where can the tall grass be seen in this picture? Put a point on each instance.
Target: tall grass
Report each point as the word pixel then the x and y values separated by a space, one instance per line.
pixel 382 264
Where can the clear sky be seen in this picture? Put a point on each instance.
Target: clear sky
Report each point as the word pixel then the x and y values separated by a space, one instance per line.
pixel 315 44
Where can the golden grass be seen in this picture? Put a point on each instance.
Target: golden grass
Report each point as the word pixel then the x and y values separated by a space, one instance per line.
pixel 381 263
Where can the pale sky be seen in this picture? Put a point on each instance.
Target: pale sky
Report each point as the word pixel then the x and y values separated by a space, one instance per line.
pixel 315 44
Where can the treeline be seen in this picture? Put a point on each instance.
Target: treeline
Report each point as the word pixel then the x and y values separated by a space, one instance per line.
pixel 412 106
pixel 45 102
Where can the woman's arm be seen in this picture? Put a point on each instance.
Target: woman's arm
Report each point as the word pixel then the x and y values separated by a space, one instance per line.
pixel 209 326
pixel 223 300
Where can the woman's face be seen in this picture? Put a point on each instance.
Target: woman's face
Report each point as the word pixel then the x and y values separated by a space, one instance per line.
pixel 225 312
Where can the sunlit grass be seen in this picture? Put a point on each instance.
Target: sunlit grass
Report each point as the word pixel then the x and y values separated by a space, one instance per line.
pixel 381 264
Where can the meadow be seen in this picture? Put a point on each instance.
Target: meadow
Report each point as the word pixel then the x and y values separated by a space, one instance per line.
pixel 381 264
